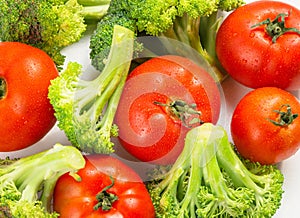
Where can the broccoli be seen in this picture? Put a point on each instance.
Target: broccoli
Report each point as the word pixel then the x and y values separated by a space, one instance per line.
pixel 101 38
pixel 27 183
pixel 193 23
pixel 49 25
pixel 85 109
pixel 209 179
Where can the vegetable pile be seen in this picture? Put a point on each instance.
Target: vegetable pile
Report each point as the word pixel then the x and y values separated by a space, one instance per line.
pixel 159 108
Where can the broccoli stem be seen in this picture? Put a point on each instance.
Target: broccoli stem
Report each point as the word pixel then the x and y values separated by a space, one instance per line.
pixel 194 183
pixel 93 10
pixel 111 80
pixel 30 173
pixel 98 100
pixel 93 2
pixel 198 33
pixel 235 168
pixel 92 14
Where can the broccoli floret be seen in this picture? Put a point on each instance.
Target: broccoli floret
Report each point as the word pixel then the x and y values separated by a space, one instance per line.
pixel 85 109
pixel 27 184
pixel 101 38
pixel 48 25
pixel 209 179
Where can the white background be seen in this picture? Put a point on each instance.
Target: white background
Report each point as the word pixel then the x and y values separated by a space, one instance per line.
pixel 233 92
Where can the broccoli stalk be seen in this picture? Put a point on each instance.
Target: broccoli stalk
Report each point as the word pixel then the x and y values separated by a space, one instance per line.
pixel 48 25
pixel 94 10
pixel 85 109
pixel 27 184
pixel 209 179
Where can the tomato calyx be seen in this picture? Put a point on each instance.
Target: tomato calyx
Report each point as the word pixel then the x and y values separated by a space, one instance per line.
pixel 105 199
pixel 3 88
pixel 183 111
pixel 276 28
pixel 285 117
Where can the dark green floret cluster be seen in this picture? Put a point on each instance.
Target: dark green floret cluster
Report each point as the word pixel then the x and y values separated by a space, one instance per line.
pixel 209 179
pixel 50 25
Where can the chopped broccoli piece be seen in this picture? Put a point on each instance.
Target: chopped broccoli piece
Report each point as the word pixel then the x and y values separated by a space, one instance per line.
pixel 101 38
pixel 85 109
pixel 27 184
pixel 48 25
pixel 209 179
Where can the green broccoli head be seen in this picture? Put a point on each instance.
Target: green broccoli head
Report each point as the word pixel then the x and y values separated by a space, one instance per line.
pixel 156 17
pixel 26 184
pixel 62 96
pixel 85 109
pixel 48 25
pixel 209 179
pixel 229 5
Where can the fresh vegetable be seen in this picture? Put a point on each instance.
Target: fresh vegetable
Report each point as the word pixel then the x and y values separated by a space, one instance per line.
pixel 27 184
pixel 265 126
pixel 108 188
pixel 85 109
pixel 101 38
pixel 268 37
pixel 193 23
pixel 161 100
pixel 25 111
pixel 210 180
pixel 48 25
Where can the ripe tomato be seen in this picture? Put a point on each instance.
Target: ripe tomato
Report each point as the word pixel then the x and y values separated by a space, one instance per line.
pixel 255 54
pixel 161 100
pixel 265 126
pixel 120 190
pixel 26 114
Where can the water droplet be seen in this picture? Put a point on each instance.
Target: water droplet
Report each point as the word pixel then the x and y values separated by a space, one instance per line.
pixel 252 34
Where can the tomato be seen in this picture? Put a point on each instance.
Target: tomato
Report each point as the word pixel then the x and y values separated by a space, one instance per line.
pixel 265 126
pixel 257 54
pixel 161 100
pixel 26 114
pixel 120 190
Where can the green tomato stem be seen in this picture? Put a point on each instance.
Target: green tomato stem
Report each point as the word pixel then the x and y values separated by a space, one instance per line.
pixel 286 117
pixel 183 111
pixel 105 199
pixel 276 28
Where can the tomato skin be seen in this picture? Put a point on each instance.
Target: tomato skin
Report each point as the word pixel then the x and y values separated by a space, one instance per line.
pixel 25 110
pixel 258 139
pixel 248 54
pixel 77 199
pixel 148 131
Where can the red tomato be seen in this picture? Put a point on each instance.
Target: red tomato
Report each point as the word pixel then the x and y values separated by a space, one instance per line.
pixel 151 126
pixel 251 55
pixel 109 176
pixel 26 114
pixel 265 126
